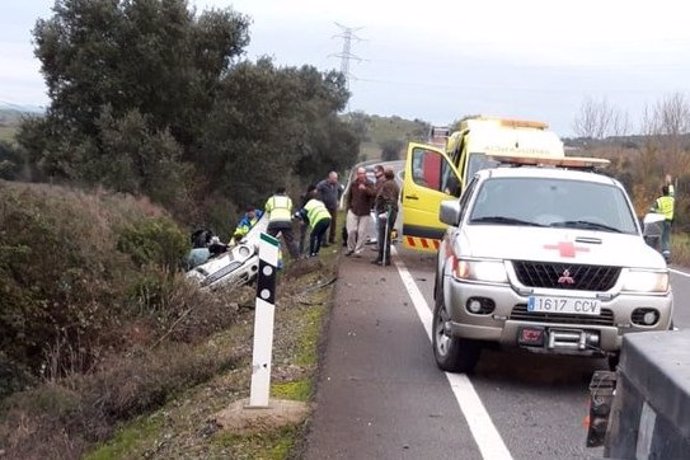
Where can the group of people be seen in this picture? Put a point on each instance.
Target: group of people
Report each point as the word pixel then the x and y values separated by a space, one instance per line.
pixel 382 196
pixel 318 212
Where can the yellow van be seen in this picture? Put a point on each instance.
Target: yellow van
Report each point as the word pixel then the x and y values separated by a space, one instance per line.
pixel 434 173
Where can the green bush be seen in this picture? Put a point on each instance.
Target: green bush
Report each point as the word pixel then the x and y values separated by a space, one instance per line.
pixel 154 241
pixel 74 268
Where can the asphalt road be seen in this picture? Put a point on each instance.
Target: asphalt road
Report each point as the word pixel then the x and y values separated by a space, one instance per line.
pixel 380 394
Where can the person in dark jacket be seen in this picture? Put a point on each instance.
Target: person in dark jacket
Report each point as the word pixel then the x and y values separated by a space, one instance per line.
pixel 329 193
pixel 378 174
pixel 386 205
pixel 359 201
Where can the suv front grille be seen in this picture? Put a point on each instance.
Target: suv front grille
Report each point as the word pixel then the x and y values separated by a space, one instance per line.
pixel 520 313
pixel 566 276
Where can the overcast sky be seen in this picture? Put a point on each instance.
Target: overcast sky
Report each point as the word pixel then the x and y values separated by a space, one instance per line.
pixel 440 60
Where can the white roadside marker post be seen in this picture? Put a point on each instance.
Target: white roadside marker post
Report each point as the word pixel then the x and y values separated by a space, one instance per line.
pixel 263 322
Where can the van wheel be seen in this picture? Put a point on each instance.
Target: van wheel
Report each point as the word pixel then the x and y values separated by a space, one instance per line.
pixel 452 354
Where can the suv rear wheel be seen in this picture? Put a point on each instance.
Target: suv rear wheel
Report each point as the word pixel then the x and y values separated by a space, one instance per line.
pixel 452 354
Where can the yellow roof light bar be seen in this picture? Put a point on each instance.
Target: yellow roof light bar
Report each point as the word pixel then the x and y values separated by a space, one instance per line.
pixel 514 123
pixel 562 162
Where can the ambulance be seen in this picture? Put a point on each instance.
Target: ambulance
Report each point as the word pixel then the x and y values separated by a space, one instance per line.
pixel 437 171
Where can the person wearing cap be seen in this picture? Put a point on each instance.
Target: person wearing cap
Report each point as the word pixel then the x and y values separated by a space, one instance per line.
pixel 250 218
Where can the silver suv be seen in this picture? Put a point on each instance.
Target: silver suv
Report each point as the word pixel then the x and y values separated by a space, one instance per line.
pixel 547 259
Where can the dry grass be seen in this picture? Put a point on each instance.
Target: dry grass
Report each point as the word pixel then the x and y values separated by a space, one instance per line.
pixel 680 249
pixel 7 133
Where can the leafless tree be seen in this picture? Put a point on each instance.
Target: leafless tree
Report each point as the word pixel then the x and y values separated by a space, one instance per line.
pixel 673 115
pixel 598 119
pixel 667 121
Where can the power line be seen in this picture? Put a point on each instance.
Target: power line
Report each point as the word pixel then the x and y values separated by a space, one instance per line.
pixel 348 34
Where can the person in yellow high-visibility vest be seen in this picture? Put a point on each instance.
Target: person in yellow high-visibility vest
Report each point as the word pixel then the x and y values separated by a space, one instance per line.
pixel 279 211
pixel 318 217
pixel 665 205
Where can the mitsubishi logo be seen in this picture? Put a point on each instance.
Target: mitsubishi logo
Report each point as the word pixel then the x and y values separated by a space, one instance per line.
pixel 565 278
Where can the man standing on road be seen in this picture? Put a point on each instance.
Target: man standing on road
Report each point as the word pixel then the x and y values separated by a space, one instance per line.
pixel 359 201
pixel 329 191
pixel 279 211
pixel 386 205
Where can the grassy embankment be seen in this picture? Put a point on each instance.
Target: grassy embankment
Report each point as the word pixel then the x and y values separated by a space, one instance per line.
pixel 117 356
pixel 184 427
pixel 680 249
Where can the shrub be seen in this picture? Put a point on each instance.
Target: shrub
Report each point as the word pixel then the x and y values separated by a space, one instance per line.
pixel 66 289
pixel 153 241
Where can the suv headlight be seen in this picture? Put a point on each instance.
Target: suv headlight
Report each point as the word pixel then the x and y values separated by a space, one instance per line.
pixel 488 271
pixel 645 281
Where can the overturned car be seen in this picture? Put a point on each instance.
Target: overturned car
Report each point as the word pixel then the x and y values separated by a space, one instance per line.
pixel 238 266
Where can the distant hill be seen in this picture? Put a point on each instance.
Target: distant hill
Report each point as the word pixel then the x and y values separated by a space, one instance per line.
pixel 375 130
pixel 11 116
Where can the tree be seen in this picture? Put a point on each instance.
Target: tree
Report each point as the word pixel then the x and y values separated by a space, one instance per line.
pixel 292 128
pixel 11 161
pixel 148 97
pixel 360 123
pixel 597 119
pixel 390 149
pixel 149 66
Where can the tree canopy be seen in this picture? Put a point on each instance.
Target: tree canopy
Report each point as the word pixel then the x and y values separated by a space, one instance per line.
pixel 151 97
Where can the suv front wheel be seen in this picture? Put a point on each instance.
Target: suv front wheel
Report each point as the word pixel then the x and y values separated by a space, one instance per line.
pixel 452 354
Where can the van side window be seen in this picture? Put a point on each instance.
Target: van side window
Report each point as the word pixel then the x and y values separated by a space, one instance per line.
pixel 426 168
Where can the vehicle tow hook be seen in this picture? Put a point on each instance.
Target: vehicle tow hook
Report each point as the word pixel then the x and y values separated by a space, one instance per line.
pixel 446 328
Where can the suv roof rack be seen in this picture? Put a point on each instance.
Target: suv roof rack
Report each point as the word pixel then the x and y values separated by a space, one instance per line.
pixel 586 163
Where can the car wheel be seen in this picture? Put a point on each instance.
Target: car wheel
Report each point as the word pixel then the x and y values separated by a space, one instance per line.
pixel 453 354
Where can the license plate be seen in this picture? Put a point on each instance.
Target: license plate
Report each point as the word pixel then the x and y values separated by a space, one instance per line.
pixel 569 305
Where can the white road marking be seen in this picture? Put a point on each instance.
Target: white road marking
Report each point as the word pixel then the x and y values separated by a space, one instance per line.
pixel 483 430
pixel 678 272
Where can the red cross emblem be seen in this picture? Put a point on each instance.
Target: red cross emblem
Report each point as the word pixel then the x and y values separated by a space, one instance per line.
pixel 566 248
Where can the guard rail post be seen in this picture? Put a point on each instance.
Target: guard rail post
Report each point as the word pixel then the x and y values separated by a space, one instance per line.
pixel 263 322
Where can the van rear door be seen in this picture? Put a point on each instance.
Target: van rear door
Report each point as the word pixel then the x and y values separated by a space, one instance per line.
pixel 430 177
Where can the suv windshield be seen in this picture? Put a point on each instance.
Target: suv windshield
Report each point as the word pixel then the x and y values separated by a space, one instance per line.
pixel 553 203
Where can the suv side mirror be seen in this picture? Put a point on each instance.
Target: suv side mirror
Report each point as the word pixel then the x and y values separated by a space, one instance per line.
pixel 449 212
pixel 652 227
